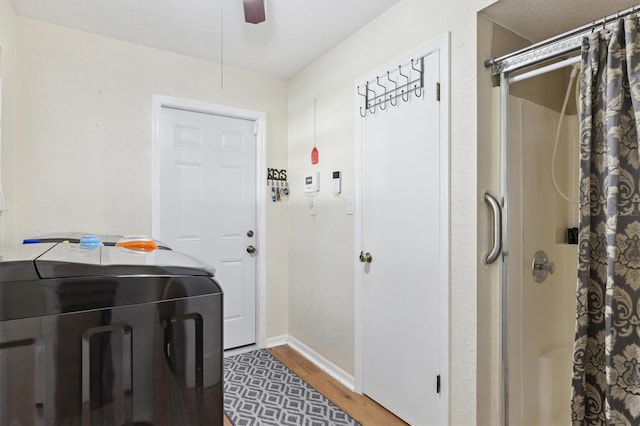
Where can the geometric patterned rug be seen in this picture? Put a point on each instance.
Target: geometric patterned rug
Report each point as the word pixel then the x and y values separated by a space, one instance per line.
pixel 260 390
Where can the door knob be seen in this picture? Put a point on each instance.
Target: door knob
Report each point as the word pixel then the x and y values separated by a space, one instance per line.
pixel 251 249
pixel 365 257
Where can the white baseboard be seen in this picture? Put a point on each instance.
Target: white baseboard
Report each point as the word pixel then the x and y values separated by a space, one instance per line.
pixel 277 341
pixel 321 362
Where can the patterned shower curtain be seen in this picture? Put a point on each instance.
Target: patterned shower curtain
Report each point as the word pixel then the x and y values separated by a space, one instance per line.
pixel 606 371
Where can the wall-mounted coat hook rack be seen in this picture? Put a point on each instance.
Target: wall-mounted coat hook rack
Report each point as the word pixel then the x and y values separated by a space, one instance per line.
pixel 410 80
pixel 277 180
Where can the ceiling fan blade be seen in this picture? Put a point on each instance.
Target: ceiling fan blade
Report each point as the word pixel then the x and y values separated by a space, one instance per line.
pixel 254 11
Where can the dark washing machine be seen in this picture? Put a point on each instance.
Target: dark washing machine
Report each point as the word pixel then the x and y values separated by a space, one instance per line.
pixel 108 336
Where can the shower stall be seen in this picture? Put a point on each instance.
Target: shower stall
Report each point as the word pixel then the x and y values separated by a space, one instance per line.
pixel 536 220
pixel 538 224
pixel 542 261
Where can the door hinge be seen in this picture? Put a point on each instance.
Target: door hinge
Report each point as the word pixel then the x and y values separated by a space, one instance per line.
pixel 438 383
pixel 437 91
pixel 255 126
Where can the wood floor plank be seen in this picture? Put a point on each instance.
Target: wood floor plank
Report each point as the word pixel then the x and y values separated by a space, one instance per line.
pixel 227 422
pixel 360 407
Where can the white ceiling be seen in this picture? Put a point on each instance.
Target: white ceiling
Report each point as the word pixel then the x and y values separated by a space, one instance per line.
pixel 295 33
pixel 537 20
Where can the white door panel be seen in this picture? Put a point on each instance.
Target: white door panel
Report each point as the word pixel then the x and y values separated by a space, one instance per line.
pixel 401 228
pixel 208 204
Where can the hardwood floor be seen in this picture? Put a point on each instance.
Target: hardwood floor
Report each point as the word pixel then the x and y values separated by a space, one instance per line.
pixel 360 407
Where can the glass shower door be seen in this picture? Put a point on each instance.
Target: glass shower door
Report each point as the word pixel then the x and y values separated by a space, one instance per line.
pixel 539 305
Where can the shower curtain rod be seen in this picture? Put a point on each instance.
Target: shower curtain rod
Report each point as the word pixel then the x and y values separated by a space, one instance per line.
pixel 553 47
pixel 545 69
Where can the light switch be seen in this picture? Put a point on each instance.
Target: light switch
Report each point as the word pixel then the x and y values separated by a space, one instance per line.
pixel 349 206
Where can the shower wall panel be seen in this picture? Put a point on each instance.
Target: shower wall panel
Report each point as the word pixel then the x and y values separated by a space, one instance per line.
pixel 541 315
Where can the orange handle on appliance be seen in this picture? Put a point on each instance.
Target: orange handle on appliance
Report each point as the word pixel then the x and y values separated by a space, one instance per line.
pixel 138 245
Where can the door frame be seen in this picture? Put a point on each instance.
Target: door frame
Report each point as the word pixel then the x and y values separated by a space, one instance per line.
pixel 439 44
pixel 260 118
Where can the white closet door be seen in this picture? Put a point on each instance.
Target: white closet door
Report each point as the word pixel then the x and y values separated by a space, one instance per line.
pixel 402 230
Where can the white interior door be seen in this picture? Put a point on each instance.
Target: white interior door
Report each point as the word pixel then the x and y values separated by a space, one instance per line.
pixel 404 227
pixel 208 205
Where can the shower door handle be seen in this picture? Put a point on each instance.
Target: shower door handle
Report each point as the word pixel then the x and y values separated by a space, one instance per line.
pixel 497 228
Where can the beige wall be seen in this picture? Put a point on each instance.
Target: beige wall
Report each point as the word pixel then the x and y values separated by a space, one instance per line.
pixel 322 273
pixel 81 156
pixel 8 74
